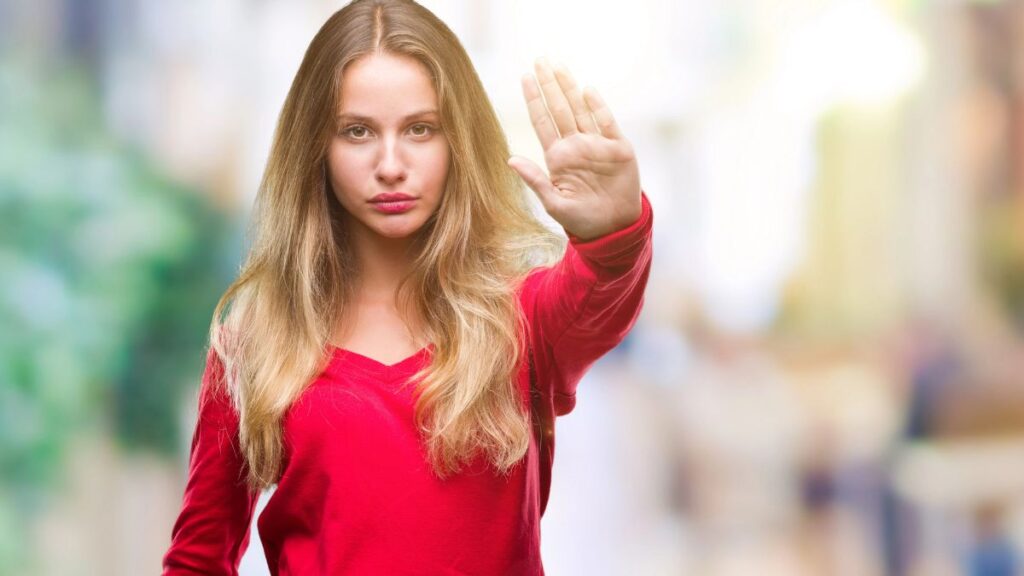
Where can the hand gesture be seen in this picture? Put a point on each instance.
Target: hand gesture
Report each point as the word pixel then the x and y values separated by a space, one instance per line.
pixel 594 183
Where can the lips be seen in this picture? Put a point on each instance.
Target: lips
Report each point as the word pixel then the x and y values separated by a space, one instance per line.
pixel 393 202
pixel 392 197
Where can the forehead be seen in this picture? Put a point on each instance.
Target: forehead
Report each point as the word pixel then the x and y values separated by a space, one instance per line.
pixel 386 86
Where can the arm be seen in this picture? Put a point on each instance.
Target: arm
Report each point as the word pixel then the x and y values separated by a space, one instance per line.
pixel 583 306
pixel 212 529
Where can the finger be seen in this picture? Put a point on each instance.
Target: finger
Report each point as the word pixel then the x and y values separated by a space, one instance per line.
pixel 558 105
pixel 580 111
pixel 542 123
pixel 602 114
pixel 535 178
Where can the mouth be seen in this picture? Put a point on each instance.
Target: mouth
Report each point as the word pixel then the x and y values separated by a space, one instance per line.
pixel 393 207
pixel 392 197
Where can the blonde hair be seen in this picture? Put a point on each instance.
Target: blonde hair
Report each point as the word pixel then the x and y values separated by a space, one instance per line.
pixel 297 278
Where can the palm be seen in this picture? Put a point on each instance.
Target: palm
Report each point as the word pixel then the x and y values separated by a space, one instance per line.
pixel 594 183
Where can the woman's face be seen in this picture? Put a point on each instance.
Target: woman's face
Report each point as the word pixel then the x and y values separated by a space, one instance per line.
pixel 389 142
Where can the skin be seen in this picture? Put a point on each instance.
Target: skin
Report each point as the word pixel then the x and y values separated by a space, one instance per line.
pixel 391 148
pixel 591 188
pixel 593 183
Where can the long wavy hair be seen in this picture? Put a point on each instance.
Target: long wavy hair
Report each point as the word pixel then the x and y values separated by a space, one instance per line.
pixel 271 328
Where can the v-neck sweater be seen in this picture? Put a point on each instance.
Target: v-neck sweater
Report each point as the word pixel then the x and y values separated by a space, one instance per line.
pixel 357 495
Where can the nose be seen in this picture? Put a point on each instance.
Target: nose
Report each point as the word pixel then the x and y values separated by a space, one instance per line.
pixel 391 167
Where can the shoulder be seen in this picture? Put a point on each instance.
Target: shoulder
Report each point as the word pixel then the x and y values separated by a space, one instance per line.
pixel 215 398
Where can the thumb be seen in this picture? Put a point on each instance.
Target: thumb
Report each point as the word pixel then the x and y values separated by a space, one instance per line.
pixel 535 178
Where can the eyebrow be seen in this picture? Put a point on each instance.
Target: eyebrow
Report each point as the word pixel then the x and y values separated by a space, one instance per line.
pixel 369 120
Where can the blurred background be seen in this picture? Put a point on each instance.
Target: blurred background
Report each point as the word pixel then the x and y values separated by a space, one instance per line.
pixel 828 375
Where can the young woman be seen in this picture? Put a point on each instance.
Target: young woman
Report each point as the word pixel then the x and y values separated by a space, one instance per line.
pixel 403 333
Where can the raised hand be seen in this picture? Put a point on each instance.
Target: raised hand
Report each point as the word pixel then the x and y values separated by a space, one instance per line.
pixel 594 183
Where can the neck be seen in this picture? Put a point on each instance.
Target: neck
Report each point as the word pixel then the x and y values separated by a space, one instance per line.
pixel 382 264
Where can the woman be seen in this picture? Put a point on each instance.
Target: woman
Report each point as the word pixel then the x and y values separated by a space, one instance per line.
pixel 403 333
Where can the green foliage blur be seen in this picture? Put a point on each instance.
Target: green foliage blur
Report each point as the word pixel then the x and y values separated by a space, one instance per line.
pixel 110 272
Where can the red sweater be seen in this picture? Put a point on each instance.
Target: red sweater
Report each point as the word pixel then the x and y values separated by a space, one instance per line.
pixel 357 496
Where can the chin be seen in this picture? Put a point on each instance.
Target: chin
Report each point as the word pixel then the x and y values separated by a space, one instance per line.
pixel 396 235
pixel 398 231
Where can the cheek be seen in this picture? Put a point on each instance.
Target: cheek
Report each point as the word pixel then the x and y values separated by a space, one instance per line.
pixel 335 162
pixel 441 162
pixel 344 169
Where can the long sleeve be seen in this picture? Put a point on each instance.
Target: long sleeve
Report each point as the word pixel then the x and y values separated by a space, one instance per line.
pixel 212 529
pixel 577 310
pixel 585 304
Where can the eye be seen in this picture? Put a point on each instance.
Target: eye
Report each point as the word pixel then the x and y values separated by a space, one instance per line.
pixel 356 132
pixel 422 129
